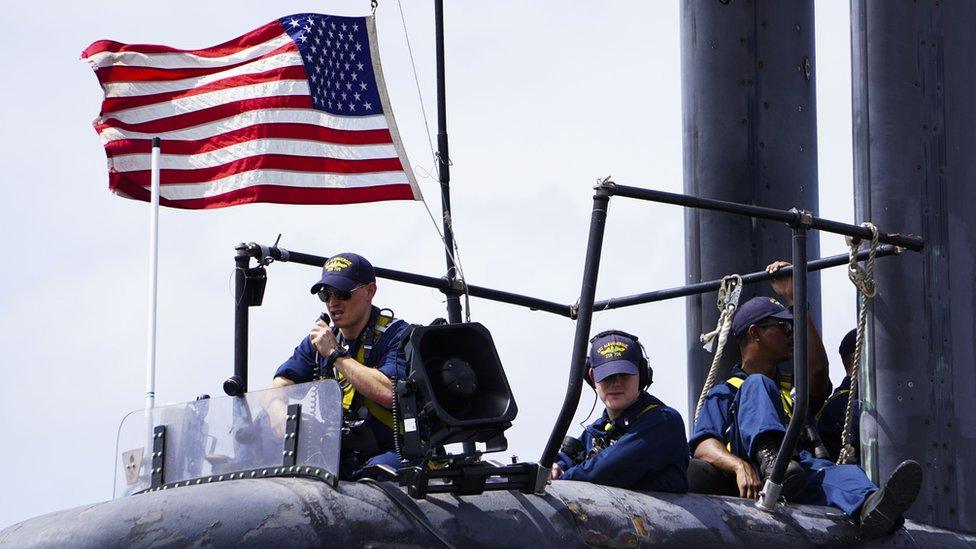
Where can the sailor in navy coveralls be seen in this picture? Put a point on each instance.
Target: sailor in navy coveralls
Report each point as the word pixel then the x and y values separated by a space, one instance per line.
pixel 743 421
pixel 639 442
pixel 831 415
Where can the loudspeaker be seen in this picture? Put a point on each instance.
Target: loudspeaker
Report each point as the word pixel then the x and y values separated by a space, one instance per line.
pixel 456 391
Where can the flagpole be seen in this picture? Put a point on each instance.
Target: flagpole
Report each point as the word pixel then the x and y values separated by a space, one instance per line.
pixel 444 166
pixel 153 260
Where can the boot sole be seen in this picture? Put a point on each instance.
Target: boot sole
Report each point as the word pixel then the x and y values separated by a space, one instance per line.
pixel 899 493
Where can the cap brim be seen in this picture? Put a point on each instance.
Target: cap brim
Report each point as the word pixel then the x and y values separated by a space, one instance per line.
pixel 336 281
pixel 604 371
pixel 785 314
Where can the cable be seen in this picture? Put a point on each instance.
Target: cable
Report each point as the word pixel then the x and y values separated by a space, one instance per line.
pixel 589 415
pixel 454 254
pixel 416 79
pixel 417 517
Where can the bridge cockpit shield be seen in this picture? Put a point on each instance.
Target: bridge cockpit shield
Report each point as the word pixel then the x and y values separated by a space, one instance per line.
pixel 214 438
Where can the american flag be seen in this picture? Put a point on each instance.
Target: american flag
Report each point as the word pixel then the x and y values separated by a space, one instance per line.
pixel 294 112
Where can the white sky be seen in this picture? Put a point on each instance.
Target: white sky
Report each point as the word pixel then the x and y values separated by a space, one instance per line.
pixel 543 99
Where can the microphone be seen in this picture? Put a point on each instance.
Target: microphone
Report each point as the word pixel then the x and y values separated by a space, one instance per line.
pixel 324 317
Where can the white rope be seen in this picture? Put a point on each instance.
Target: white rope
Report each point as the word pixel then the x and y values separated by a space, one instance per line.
pixel 863 280
pixel 454 254
pixel 416 80
pixel 728 301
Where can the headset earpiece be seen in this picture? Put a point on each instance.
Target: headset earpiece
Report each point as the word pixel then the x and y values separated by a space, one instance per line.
pixel 588 373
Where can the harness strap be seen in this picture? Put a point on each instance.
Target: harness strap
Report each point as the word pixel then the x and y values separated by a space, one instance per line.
pixel 785 395
pixel 602 443
pixel 785 391
pixel 351 400
pixel 837 394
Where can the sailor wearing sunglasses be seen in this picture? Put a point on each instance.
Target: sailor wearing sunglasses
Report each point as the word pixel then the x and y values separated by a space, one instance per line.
pixel 361 350
pixel 743 421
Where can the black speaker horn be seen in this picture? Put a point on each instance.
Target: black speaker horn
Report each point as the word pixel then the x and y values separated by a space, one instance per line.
pixel 456 391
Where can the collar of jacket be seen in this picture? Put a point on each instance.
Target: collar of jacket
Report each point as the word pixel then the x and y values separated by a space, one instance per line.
pixel 605 425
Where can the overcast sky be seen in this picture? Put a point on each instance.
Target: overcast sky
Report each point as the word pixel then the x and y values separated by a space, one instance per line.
pixel 543 99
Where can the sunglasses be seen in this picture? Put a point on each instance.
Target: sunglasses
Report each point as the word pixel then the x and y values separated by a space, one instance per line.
pixel 326 293
pixel 786 326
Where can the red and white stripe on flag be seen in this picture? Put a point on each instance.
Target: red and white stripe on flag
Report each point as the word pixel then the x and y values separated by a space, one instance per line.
pixel 294 112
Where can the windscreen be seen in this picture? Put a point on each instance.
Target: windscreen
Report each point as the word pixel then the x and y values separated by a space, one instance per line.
pixel 223 435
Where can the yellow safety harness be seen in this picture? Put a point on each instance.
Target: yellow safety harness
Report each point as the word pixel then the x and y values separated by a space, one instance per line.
pixel 785 391
pixel 785 395
pixel 351 400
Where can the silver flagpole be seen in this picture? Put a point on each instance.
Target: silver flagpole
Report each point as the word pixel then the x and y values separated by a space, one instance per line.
pixel 153 257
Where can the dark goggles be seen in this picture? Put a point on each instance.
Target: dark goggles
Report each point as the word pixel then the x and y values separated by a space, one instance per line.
pixel 784 324
pixel 326 293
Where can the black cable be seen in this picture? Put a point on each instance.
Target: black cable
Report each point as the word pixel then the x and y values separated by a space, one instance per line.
pixel 592 408
pixel 394 495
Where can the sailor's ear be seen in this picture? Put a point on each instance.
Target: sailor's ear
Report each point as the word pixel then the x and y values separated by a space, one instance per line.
pixel 370 289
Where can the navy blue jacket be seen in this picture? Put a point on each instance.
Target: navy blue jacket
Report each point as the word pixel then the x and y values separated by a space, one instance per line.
pixel 386 356
pixel 830 420
pixel 650 451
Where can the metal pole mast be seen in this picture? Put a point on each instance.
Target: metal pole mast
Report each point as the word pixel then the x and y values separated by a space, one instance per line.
pixel 444 168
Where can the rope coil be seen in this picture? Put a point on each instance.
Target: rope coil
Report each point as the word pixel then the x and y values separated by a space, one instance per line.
pixel 863 280
pixel 728 300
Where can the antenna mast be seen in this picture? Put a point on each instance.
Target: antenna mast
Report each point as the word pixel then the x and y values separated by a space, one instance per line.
pixel 444 168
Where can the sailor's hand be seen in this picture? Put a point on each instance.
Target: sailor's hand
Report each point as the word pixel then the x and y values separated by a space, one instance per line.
pixel 277 415
pixel 747 480
pixel 556 472
pixel 782 286
pixel 322 338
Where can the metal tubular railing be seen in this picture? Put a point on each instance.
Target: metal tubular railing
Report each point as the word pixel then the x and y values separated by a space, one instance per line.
pixel 800 221
pixel 280 254
pixel 591 269
pixel 790 217
pixel 751 278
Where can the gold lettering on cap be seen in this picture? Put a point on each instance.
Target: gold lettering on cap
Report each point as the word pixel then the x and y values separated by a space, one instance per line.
pixel 612 349
pixel 337 264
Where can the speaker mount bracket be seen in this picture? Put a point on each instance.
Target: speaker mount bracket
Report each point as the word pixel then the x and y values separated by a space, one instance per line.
pixel 468 478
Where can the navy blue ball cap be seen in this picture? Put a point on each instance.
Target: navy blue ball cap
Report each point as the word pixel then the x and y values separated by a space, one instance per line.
pixel 614 354
pixel 847 344
pixel 345 271
pixel 756 309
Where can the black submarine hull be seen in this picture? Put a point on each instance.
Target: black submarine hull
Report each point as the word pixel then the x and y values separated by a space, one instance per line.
pixel 297 512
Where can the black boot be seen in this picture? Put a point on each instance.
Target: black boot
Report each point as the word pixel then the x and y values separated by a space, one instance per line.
pixel 767 447
pixel 882 511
